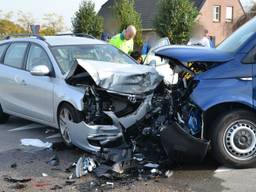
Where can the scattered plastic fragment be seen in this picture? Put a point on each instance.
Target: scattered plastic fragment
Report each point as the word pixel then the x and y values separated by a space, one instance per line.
pixel 84 165
pixel 155 172
pixel 168 173
pixel 16 180
pixel 35 143
pixel 70 177
pixel 45 175
pixel 151 165
pixel 108 185
pixel 117 168
pixel 54 161
pixel 138 157
pixel 103 171
pixel 70 182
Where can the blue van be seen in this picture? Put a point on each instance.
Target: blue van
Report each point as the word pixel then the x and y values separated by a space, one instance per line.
pixel 221 84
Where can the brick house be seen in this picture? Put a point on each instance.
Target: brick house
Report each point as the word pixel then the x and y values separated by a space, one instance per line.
pixel 218 16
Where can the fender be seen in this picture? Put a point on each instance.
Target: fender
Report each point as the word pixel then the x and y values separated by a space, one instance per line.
pixel 75 97
pixel 209 93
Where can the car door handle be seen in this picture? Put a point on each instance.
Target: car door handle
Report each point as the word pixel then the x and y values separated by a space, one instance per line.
pixel 20 81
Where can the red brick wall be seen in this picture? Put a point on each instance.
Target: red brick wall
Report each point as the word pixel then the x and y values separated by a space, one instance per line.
pixel 220 30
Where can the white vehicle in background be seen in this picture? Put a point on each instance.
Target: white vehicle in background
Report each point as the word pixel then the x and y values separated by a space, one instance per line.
pixel 162 65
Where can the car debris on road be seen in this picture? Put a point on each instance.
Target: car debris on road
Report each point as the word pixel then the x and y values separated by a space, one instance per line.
pixel 54 161
pixel 35 143
pixel 16 180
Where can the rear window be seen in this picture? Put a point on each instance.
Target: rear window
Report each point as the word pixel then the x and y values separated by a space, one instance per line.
pixel 2 49
pixel 15 55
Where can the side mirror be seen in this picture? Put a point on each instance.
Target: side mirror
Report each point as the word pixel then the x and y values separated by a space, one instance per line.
pixel 152 63
pixel 40 70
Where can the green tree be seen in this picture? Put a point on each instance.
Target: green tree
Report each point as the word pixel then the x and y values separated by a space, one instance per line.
pixel 8 27
pixel 53 22
pixel 25 20
pixel 125 13
pixel 47 31
pixel 175 19
pixel 87 21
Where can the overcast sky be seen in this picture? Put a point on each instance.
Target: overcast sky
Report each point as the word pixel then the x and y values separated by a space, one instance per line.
pixel 65 8
pixel 38 8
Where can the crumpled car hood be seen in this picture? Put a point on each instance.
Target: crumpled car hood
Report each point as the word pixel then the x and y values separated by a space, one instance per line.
pixel 122 78
pixel 192 54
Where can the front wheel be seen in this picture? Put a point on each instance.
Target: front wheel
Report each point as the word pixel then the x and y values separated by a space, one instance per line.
pixel 234 139
pixel 66 113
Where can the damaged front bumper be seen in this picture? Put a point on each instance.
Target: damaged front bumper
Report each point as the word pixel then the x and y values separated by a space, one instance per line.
pixel 93 137
pixel 82 135
pixel 182 147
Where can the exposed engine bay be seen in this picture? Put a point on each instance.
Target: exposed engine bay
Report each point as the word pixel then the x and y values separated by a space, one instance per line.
pixel 161 116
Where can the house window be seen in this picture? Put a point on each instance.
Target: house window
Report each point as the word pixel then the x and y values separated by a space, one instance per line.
pixel 229 14
pixel 216 13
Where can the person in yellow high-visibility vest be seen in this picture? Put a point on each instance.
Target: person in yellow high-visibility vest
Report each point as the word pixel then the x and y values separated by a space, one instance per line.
pixel 124 41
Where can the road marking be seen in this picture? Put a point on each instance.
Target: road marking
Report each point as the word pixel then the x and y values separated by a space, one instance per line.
pixel 54 136
pixel 27 127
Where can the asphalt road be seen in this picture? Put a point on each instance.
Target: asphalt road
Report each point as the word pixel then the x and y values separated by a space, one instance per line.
pixel 29 162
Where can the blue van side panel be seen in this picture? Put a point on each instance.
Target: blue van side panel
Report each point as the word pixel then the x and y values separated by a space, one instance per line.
pixel 212 92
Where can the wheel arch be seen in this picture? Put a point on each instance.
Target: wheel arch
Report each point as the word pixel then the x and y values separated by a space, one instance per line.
pixel 211 114
pixel 61 104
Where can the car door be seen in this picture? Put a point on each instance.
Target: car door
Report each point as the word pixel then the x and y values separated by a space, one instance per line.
pixel 37 91
pixel 249 61
pixel 11 71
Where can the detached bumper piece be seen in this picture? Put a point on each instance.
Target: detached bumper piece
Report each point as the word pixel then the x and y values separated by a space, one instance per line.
pixel 181 147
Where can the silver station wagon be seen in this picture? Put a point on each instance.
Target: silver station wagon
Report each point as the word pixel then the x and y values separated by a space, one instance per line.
pixel 61 79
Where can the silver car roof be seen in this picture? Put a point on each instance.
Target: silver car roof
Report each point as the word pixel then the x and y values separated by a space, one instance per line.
pixel 59 40
pixel 71 40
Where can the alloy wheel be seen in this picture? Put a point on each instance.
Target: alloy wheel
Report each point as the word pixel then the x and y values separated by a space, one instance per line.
pixel 64 117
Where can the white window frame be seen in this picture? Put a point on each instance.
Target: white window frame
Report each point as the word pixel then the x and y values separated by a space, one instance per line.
pixel 229 14
pixel 216 13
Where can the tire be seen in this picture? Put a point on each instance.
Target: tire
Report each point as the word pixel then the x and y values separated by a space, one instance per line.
pixel 3 117
pixel 233 139
pixel 73 115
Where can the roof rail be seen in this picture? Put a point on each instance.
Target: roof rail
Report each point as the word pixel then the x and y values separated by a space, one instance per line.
pixel 25 35
pixel 77 35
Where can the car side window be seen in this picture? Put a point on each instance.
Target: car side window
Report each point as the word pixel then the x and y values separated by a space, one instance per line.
pixel 250 58
pixel 37 56
pixel 15 55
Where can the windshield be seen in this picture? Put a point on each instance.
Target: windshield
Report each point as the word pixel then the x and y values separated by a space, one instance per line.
pixel 66 55
pixel 239 37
